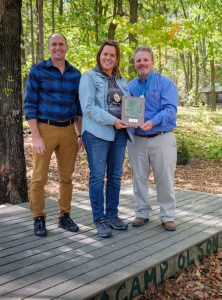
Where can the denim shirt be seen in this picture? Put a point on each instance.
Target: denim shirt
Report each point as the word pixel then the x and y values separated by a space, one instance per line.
pixel 93 91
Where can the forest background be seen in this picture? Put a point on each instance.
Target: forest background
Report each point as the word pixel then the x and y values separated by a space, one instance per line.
pixel 185 35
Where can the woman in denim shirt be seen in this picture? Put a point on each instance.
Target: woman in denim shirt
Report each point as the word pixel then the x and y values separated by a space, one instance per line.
pixel 105 135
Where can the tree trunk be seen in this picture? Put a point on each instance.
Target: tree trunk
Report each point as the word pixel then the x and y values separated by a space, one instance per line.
pixel 117 11
pixel 53 16
pixel 40 39
pixel 112 26
pixel 32 32
pixel 132 37
pixel 176 68
pixel 60 7
pixel 203 53
pixel 186 74
pixel 13 185
pixel 197 71
pixel 190 62
pixel 96 11
pixel 212 83
pixel 23 58
pixel 112 31
pixel 120 11
pixel 165 55
pixel 160 60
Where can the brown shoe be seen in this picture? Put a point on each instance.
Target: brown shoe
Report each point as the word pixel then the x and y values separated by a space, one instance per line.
pixel 169 225
pixel 137 222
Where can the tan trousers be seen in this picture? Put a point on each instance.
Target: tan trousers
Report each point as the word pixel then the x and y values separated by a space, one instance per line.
pixel 62 140
pixel 160 154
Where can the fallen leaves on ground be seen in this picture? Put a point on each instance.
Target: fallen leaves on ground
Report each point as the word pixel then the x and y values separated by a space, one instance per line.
pixel 197 175
pixel 200 282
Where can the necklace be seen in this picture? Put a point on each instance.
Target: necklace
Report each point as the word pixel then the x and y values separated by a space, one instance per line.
pixel 116 97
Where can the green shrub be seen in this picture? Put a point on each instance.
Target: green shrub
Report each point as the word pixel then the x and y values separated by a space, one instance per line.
pixel 202 130
pixel 182 151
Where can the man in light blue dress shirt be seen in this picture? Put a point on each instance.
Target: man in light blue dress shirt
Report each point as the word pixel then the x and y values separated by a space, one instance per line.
pixel 154 142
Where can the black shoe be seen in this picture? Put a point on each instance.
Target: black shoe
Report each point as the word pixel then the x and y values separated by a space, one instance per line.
pixel 67 223
pixel 39 226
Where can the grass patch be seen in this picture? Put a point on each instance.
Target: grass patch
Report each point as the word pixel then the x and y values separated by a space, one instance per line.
pixel 202 131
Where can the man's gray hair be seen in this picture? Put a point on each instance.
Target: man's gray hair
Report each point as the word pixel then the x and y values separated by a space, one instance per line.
pixel 144 49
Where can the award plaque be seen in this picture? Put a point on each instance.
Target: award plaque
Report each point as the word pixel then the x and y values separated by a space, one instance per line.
pixel 133 110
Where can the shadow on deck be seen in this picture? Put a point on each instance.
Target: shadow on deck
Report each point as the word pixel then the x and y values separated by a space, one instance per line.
pixel 83 266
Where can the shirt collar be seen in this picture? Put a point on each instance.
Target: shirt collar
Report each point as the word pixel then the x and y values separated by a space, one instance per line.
pixel 49 64
pixel 98 70
pixel 145 78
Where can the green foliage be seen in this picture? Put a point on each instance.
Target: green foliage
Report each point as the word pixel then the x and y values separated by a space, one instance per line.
pixel 171 28
pixel 182 151
pixel 186 29
pixel 202 131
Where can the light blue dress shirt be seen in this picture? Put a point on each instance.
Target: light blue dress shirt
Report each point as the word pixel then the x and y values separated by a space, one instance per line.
pixel 161 101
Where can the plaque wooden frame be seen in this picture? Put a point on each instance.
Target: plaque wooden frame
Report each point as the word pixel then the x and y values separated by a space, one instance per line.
pixel 133 110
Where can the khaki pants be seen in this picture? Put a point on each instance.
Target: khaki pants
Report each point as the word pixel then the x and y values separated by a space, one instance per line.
pixel 160 154
pixel 63 141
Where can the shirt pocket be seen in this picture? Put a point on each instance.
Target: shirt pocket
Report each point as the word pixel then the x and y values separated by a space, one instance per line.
pixel 155 95
pixel 153 101
pixel 99 85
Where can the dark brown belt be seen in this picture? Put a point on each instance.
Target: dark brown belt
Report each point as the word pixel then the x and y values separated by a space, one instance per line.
pixel 54 123
pixel 151 135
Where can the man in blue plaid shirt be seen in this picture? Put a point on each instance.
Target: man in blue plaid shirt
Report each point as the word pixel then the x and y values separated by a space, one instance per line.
pixel 53 112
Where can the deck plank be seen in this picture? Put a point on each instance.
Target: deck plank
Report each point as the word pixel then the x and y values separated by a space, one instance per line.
pixel 83 266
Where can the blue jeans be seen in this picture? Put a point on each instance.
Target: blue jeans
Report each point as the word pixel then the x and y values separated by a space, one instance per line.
pixel 105 158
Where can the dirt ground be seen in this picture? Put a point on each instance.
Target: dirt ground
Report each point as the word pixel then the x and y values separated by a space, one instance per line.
pixel 204 280
pixel 197 175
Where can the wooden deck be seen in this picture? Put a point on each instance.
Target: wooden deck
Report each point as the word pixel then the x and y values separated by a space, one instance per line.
pixel 83 266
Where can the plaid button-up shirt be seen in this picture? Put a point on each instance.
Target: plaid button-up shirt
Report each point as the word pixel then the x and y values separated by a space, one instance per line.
pixel 51 95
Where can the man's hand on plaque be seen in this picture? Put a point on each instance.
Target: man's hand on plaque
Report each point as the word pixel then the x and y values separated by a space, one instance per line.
pixel 119 124
pixel 147 125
